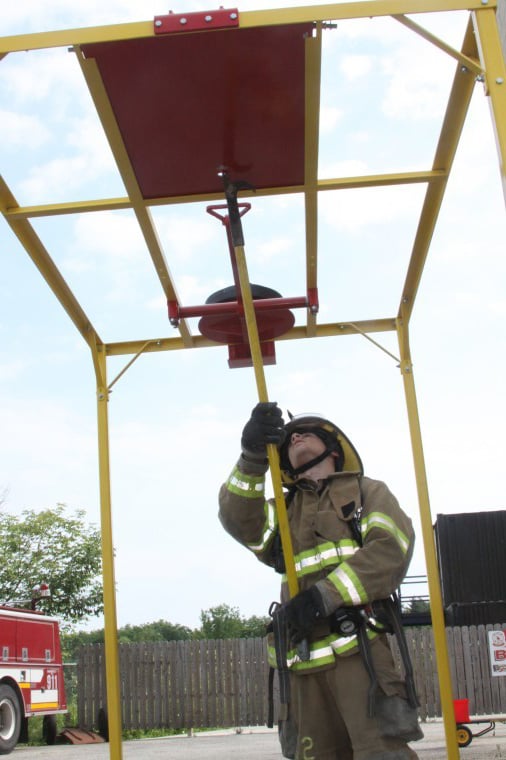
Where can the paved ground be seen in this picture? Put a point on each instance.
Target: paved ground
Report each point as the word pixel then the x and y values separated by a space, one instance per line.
pixel 254 743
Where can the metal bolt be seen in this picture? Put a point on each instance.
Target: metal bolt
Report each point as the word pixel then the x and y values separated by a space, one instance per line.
pixel 499 80
pixel 158 22
pixel 484 2
pixel 101 396
pixel 233 16
pixel 208 18
pixel 183 20
pixel 480 78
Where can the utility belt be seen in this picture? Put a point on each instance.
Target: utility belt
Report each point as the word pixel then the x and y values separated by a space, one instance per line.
pixel 348 628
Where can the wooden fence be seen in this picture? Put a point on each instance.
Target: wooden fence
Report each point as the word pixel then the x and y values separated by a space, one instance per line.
pixel 196 684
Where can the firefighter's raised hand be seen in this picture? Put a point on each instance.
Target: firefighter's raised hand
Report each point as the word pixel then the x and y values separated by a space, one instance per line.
pixel 266 425
pixel 302 613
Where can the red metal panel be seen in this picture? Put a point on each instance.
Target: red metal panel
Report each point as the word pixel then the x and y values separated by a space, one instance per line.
pixel 189 104
pixel 36 636
pixel 7 639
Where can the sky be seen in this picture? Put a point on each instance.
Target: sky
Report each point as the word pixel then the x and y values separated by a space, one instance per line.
pixel 176 417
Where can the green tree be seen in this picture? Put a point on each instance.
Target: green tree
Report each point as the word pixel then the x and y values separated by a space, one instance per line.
pixel 225 622
pixel 416 604
pixel 254 627
pixel 221 622
pixel 161 630
pixel 58 549
pixel 72 640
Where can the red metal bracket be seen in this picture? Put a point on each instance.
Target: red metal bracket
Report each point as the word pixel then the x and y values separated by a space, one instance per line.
pixel 312 300
pixel 197 22
pixel 213 211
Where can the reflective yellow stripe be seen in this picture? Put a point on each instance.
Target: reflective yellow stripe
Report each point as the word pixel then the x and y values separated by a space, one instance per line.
pixel 324 556
pixel 321 652
pixel 384 522
pixel 248 486
pixel 271 523
pixel 348 584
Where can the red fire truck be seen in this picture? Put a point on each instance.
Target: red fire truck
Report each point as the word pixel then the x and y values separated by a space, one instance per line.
pixel 31 674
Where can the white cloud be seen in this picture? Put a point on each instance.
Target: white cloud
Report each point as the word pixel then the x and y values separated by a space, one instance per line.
pixel 50 446
pixel 354 210
pixel 30 15
pixel 418 82
pixel 12 369
pixel 193 291
pixel 356 66
pixel 109 237
pixel 23 129
pixel 58 81
pixel 86 135
pixel 346 168
pixel 276 248
pixel 361 136
pixel 329 118
pixel 182 236
pixel 60 177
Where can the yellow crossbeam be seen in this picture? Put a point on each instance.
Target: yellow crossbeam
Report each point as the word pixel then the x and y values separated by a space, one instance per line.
pixel 304 14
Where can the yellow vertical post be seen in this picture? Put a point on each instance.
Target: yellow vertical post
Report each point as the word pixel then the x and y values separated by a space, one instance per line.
pixel 110 619
pixel 492 60
pixel 436 602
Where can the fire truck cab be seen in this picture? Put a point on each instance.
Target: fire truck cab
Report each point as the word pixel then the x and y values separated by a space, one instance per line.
pixel 31 674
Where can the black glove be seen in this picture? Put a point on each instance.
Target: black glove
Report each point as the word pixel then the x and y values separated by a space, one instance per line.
pixel 266 425
pixel 302 613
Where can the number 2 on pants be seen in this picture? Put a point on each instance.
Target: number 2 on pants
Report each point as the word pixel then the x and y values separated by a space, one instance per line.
pixel 306 744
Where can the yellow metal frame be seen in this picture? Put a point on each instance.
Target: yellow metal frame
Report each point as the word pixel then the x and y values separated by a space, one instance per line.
pixel 481 57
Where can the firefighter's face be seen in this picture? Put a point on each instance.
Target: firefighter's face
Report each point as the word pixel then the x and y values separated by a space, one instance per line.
pixel 303 447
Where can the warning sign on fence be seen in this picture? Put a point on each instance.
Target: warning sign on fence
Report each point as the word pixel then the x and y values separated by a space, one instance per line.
pixel 497 648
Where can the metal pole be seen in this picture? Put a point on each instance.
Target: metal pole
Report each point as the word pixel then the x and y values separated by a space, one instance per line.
pixel 110 619
pixel 256 355
pixel 492 59
pixel 436 602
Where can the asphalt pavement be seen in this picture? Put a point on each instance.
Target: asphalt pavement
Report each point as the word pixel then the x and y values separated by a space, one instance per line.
pixel 253 743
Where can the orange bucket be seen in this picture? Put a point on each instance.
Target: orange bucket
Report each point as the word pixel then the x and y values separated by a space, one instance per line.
pixel 461 709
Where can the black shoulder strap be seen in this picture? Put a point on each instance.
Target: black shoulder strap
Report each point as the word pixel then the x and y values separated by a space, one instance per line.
pixel 356 520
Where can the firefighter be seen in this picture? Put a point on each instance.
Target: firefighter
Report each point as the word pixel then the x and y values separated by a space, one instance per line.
pixel 352 545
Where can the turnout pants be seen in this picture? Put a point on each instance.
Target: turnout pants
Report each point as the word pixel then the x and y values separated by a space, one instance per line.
pixel 329 709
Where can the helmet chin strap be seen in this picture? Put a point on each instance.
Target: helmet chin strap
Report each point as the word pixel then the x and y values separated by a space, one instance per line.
pixel 312 462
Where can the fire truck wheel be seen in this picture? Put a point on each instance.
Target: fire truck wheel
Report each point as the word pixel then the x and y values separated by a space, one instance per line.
pixel 49 729
pixel 10 719
pixel 103 724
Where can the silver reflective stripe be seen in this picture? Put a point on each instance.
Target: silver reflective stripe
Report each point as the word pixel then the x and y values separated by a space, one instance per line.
pixel 316 654
pixel 245 485
pixel 343 643
pixel 248 486
pixel 335 552
pixel 270 526
pixel 322 558
pixel 344 584
pixel 316 559
pixel 380 520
